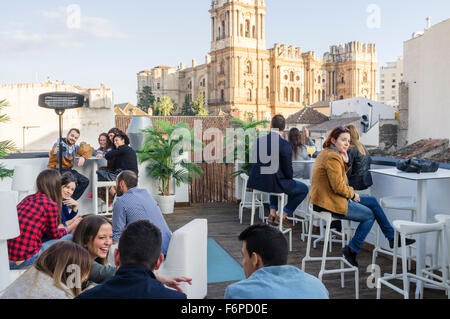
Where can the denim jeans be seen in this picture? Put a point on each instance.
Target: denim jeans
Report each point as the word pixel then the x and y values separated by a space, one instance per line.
pixel 45 245
pixel 366 212
pixel 295 197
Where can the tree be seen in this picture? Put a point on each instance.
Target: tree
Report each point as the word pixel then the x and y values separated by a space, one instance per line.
pixel 187 109
pixel 5 146
pixel 199 105
pixel 164 107
pixel 146 99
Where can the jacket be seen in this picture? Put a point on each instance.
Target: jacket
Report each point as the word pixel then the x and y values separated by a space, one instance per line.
pixel 279 178
pixel 123 158
pixel 359 176
pixel 132 282
pixel 329 189
pixel 68 155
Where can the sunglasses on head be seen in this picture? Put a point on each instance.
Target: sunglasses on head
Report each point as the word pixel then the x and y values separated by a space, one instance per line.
pixel 343 128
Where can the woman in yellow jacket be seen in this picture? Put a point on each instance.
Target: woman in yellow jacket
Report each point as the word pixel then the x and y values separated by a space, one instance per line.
pixel 330 192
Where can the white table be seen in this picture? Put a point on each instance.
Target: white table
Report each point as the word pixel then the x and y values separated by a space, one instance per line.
pixel 421 203
pixel 90 169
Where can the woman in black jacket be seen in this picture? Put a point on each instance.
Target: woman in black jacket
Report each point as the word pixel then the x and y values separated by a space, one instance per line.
pixel 122 157
pixel 358 176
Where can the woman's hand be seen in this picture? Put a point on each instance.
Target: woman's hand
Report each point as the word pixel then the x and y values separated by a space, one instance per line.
pixel 357 199
pixel 99 154
pixel 71 203
pixel 72 224
pixel 345 157
pixel 173 282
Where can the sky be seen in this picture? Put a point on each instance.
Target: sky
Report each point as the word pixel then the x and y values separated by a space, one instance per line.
pixel 87 43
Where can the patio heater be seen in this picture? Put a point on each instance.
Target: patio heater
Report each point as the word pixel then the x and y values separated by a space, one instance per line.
pixel 61 101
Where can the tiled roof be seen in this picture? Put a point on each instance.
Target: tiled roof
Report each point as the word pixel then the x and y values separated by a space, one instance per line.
pixel 436 150
pixel 331 124
pixel 307 116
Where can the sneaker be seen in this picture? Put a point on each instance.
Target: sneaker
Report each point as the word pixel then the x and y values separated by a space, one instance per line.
pixel 336 224
pixel 350 255
pixel 271 220
pixel 408 242
pixel 286 223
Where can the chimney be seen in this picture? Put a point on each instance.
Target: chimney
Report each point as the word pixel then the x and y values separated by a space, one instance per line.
pixel 428 22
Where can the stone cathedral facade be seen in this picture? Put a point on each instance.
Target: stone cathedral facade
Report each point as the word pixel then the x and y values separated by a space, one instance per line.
pixel 240 76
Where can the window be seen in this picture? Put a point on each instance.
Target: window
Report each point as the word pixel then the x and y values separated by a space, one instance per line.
pixel 393 74
pixel 222 96
pixel 286 93
pixel 393 81
pixel 247 28
pixel 254 32
pixel 382 81
pixel 158 86
pixel 382 86
pixel 393 86
pixel 292 95
pixel 267 93
pixel 298 95
pixel 249 67
pixel 382 75
pixel 382 92
pixel 318 79
pixel 292 76
pixel 249 95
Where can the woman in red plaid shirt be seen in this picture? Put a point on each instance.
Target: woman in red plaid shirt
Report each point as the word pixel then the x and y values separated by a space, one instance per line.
pixel 40 221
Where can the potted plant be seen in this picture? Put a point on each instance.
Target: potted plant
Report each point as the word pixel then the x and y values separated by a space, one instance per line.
pixel 163 151
pixel 249 129
pixel 5 146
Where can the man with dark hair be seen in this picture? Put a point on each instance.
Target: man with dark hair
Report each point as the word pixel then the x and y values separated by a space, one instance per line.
pixel 134 204
pixel 69 151
pixel 137 257
pixel 265 253
pixel 272 171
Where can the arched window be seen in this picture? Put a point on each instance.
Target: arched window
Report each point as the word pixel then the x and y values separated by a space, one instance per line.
pixel 223 29
pixel 318 79
pixel 222 67
pixel 323 95
pixel 222 96
pixel 292 76
pixel 242 30
pixel 267 93
pixel 247 28
pixel 286 94
pixel 249 67
pixel 249 95
pixel 292 95
pixel 254 32
pixel 297 97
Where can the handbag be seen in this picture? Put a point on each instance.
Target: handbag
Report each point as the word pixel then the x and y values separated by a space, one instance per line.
pixel 416 165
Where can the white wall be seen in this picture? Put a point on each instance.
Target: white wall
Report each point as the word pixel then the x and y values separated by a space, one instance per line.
pixel 427 74
pixel 371 137
pixel 359 105
pixel 44 123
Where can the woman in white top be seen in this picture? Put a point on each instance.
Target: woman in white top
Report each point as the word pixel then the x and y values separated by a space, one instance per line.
pixel 298 143
pixel 57 274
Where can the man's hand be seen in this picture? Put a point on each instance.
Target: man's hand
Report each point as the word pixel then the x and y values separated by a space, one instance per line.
pixel 173 282
pixel 81 161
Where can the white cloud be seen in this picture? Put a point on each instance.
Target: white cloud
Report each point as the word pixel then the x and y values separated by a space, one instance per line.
pixel 58 34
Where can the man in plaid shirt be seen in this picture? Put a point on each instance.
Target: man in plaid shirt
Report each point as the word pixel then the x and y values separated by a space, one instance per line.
pixel 39 229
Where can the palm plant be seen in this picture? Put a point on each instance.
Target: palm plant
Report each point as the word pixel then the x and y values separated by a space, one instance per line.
pixel 162 150
pixel 6 147
pixel 245 142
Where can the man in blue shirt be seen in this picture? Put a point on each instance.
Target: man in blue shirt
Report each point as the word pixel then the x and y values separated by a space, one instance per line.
pixel 136 263
pixel 133 204
pixel 265 252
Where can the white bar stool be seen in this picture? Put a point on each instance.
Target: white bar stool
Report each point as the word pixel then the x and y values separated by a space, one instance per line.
pixel 327 218
pixel 281 203
pixel 248 204
pixel 106 185
pixel 403 203
pixel 405 228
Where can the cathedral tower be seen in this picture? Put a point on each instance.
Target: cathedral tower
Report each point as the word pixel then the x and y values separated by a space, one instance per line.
pixel 238 55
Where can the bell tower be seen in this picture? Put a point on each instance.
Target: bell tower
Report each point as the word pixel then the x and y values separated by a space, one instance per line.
pixel 238 47
pixel 238 23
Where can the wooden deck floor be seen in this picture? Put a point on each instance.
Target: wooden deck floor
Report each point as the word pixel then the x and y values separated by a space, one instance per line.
pixel 224 227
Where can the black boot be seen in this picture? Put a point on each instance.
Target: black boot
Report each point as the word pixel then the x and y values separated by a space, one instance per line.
pixel 350 255
pixel 408 242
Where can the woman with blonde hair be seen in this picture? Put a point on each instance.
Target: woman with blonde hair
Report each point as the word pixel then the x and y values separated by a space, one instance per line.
pixel 58 273
pixel 358 175
pixel 331 193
